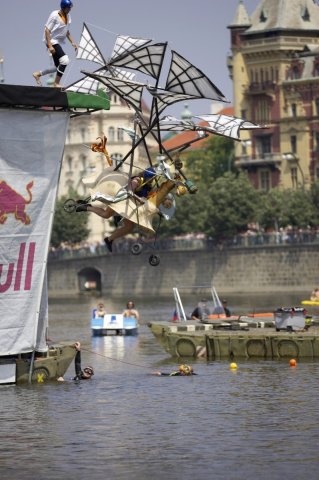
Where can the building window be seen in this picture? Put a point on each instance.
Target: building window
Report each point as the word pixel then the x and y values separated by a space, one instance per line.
pixel 69 163
pixel 264 180
pixel 305 14
pixel 317 141
pixel 264 145
pixel 117 156
pixel 295 73
pixel 263 16
pixel 294 177
pixel 111 134
pixel 294 110
pixel 293 143
pixel 83 162
pixel 317 107
pixel 316 69
pixel 120 135
pixel 262 111
pixel 115 99
pixel 82 132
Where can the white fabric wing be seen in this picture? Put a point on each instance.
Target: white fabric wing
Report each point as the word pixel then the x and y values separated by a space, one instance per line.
pixel 88 49
pixel 183 77
pixel 125 44
pixel 226 125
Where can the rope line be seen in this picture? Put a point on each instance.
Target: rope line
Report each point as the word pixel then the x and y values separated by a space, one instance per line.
pixel 114 359
pixel 101 28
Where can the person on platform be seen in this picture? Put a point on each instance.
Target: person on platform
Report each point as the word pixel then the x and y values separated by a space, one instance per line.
pixel 55 32
pixel 131 311
pixel 183 371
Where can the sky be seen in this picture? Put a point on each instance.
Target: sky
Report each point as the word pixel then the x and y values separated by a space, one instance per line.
pixel 197 29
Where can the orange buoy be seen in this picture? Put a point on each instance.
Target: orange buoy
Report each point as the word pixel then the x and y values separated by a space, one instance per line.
pixel 292 362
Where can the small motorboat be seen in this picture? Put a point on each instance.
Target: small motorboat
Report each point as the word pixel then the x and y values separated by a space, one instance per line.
pixel 114 324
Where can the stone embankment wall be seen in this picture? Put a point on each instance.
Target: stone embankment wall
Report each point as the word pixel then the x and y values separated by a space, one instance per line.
pixel 237 270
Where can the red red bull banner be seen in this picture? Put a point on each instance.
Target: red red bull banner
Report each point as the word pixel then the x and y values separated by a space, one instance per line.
pixel 31 150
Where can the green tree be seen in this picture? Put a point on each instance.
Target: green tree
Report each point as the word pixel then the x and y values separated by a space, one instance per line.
pixel 189 217
pixel 272 211
pixel 222 210
pixel 232 203
pixel 211 162
pixel 279 208
pixel 68 227
pixel 314 192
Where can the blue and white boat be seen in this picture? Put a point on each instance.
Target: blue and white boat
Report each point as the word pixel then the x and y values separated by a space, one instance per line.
pixel 114 324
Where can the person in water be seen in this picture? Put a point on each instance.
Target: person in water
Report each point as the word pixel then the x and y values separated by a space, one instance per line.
pixel 183 371
pixel 80 374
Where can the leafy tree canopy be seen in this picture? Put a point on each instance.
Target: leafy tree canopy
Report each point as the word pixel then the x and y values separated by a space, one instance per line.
pixel 68 227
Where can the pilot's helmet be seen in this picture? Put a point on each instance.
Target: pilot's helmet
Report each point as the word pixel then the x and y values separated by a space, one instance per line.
pixel 88 372
pixel 181 190
pixel 149 173
pixel 186 369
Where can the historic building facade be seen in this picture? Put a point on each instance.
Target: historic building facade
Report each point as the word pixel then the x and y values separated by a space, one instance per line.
pixel 274 66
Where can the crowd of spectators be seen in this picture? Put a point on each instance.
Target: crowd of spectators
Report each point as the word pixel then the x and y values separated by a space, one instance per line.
pixel 289 235
pixel 253 236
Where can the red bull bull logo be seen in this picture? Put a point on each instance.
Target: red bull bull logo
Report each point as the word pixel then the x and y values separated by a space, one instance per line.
pixel 19 274
pixel 12 202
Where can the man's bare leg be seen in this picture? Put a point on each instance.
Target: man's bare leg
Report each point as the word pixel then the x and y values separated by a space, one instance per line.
pixel 126 228
pixel 37 76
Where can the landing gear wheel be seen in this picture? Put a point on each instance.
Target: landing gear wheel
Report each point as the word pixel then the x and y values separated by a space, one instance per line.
pixel 69 205
pixel 154 260
pixel 136 248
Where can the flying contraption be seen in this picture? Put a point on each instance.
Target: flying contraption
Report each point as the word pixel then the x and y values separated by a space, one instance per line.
pixel 184 81
pixel 130 57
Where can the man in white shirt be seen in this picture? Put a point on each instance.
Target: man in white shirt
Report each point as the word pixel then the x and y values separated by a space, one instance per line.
pixel 55 32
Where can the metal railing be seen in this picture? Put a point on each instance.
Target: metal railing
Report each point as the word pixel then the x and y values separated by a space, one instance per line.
pixel 250 239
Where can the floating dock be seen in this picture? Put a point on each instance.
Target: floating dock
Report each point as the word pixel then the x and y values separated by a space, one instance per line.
pixel 245 339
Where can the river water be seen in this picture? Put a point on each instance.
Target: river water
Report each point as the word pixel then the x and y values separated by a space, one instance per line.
pixel 258 422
